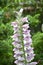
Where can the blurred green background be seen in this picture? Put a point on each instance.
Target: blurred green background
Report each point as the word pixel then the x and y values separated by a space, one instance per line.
pixel 33 9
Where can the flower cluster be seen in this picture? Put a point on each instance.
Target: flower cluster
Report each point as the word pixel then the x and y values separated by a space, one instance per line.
pixel 23 52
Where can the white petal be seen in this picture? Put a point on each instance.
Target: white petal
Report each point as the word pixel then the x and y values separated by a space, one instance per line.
pixel 21 10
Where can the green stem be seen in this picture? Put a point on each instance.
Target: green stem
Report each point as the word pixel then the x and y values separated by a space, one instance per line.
pixel 20 25
pixel 23 44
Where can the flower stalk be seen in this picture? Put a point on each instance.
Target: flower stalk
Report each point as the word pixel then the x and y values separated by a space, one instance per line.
pixel 23 52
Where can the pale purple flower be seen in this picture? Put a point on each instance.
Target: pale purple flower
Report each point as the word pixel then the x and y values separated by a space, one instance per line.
pixel 24 19
pixel 19 63
pixel 32 63
pixel 15 29
pixel 30 57
pixel 20 58
pixel 28 41
pixel 14 43
pixel 18 52
pixel 14 24
pixel 29 51
pixel 18 46
pixel 27 44
pixel 26 32
pixel 15 49
pixel 25 26
pixel 16 61
pixel 22 41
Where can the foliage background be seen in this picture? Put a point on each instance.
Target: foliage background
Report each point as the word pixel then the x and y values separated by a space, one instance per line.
pixel 33 9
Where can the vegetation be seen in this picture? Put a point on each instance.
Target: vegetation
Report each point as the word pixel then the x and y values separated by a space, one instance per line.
pixel 33 9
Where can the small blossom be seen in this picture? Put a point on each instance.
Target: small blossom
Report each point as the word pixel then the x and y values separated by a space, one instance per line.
pixel 16 61
pixel 27 44
pixel 15 29
pixel 32 63
pixel 15 42
pixel 25 26
pixel 20 58
pixel 30 57
pixel 14 24
pixel 15 49
pixel 19 52
pixel 27 41
pixel 29 51
pixel 24 19
pixel 26 32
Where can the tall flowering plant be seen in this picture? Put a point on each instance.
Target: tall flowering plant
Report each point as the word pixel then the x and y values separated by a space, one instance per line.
pixel 23 51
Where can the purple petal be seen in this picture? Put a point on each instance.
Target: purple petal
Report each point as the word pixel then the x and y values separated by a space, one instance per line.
pixel 15 28
pixel 15 43
pixel 16 61
pixel 15 49
pixel 25 26
pixel 28 36
pixel 19 63
pixel 15 39
pixel 19 52
pixel 18 46
pixel 27 40
pixel 24 19
pixel 15 35
pixel 27 44
pixel 26 32
pixel 16 56
pixel 14 24
pixel 32 63
pixel 29 51
pixel 20 58
pixel 30 57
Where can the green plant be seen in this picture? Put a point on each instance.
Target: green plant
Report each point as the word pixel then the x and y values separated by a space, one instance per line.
pixel 6 54
pixel 38 45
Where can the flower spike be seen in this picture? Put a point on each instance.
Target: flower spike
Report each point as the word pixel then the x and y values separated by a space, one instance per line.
pixel 22 41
